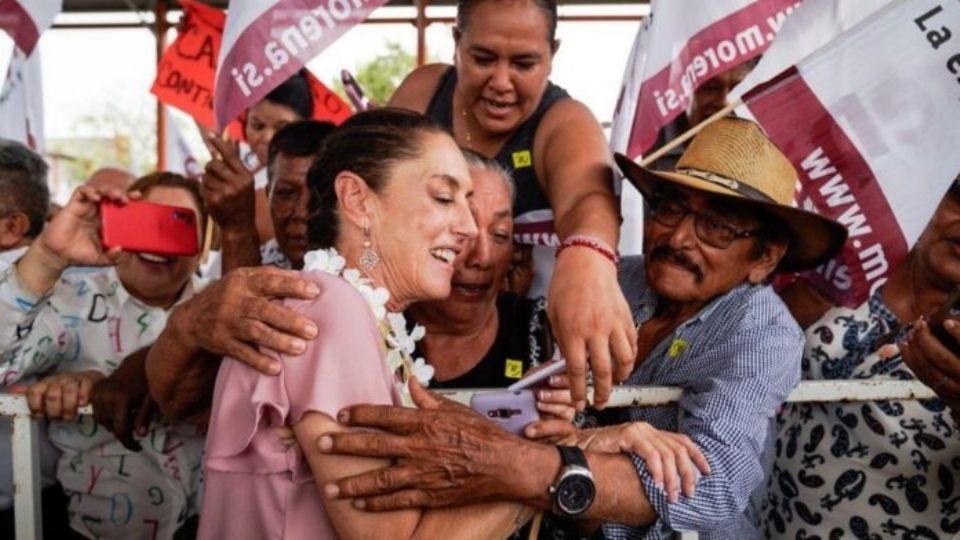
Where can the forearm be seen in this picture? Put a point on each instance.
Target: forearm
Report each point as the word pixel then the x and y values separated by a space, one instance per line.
pixel 38 270
pixel 178 373
pixel 240 247
pixel 592 212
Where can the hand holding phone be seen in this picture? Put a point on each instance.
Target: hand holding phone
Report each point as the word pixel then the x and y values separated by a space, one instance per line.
pixel 146 227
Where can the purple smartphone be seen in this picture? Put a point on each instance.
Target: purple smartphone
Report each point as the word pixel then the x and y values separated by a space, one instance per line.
pixel 510 410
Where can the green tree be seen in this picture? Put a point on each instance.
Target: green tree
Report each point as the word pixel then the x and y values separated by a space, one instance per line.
pixel 381 76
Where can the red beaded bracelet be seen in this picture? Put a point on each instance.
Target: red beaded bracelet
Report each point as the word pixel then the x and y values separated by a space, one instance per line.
pixel 593 243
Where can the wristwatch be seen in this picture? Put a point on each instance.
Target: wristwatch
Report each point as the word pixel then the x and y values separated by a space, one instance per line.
pixel 573 491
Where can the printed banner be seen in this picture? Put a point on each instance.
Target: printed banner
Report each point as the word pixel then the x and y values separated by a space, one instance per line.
pixel 25 20
pixel 179 157
pixel 869 120
pixel 264 43
pixel 188 67
pixel 21 101
pixel 687 43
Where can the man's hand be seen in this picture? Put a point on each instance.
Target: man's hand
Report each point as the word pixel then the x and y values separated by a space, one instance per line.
pixel 235 315
pixel 228 187
pixel 59 396
pixel 673 460
pixel 121 403
pixel 933 363
pixel 446 455
pixel 591 320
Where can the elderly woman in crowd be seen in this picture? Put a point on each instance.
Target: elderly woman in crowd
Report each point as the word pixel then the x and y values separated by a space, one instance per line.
pixel 497 100
pixel 389 216
pixel 480 337
pixel 82 326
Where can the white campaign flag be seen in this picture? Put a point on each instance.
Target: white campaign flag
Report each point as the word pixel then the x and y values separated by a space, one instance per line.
pixel 25 20
pixel 21 101
pixel 178 156
pixel 683 44
pixel 265 42
pixel 870 122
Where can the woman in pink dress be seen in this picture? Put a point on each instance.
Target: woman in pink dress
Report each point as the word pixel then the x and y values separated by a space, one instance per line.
pixel 389 214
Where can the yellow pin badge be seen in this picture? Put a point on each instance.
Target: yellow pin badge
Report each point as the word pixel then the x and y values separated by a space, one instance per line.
pixel 677 347
pixel 521 159
pixel 513 369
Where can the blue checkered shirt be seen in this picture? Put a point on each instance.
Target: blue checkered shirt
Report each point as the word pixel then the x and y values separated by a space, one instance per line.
pixel 736 360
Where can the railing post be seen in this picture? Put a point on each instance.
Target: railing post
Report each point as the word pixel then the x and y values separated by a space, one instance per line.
pixel 26 478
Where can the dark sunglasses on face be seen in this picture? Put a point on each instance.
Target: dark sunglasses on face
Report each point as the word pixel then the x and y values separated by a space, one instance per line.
pixel 710 228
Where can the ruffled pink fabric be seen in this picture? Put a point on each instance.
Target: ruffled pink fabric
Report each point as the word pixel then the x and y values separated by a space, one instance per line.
pixel 255 487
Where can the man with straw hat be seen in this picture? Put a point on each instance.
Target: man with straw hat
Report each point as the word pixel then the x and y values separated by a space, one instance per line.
pixel 719 226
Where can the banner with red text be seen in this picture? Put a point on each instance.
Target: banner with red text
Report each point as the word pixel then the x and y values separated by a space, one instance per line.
pixel 684 44
pixel 870 122
pixel 188 67
pixel 21 101
pixel 25 20
pixel 265 42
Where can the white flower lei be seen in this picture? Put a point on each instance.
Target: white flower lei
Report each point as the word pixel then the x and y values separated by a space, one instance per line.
pixel 393 326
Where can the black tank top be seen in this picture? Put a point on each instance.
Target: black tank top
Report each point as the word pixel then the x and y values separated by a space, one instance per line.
pixel 534 220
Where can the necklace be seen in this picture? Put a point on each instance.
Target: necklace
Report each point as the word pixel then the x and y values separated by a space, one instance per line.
pixel 397 341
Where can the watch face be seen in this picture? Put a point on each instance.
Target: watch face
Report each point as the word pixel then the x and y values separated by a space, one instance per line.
pixel 575 494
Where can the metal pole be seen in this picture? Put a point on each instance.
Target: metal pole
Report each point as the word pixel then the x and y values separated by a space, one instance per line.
pixel 160 31
pixel 422 23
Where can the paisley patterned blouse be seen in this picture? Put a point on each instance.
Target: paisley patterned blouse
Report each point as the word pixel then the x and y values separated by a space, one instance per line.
pixel 881 469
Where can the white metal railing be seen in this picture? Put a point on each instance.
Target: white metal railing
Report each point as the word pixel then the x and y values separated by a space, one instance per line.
pixel 26 461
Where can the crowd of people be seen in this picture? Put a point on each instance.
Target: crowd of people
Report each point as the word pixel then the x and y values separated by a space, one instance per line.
pixel 461 237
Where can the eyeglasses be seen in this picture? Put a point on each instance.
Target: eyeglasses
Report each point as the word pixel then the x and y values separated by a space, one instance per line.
pixel 709 227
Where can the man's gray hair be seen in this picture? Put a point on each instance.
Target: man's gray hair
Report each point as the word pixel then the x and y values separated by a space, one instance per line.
pixel 23 184
pixel 478 161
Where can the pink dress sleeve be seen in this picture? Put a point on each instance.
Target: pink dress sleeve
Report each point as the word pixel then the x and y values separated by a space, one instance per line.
pixel 344 365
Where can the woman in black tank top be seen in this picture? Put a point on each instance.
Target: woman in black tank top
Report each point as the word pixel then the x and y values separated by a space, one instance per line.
pixel 499 102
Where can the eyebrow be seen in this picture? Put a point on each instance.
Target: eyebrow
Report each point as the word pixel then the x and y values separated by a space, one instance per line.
pixel 502 214
pixel 521 56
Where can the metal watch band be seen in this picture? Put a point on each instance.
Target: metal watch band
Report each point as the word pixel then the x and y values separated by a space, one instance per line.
pixel 573 455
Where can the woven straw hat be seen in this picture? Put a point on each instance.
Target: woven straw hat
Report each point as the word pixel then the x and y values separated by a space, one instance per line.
pixel 732 158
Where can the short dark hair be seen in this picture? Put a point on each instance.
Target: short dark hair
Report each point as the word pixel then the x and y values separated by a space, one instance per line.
pixel 368 144
pixel 297 139
pixel 23 184
pixel 145 184
pixel 548 7
pixel 294 93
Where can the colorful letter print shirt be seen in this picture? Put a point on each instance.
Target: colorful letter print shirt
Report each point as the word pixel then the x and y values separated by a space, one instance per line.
pixel 90 322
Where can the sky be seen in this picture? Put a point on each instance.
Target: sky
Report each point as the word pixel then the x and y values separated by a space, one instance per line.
pixel 92 71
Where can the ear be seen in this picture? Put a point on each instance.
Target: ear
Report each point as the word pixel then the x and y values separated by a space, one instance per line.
pixel 457 34
pixel 767 262
pixel 555 46
pixel 354 196
pixel 13 230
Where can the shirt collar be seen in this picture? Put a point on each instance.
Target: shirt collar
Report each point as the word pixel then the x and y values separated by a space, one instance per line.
pixel 648 302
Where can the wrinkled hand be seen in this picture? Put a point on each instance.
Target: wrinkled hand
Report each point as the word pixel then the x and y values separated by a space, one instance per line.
pixel 591 320
pixel 59 396
pixel 673 460
pixel 445 455
pixel 234 315
pixel 933 363
pixel 228 187
pixel 121 403
pixel 72 238
pixel 555 401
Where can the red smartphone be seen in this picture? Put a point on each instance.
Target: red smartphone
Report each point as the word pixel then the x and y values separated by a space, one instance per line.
pixel 511 411
pixel 146 227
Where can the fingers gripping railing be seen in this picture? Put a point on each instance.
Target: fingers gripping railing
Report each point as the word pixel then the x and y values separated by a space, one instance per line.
pixel 26 459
